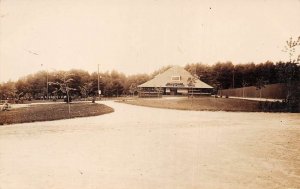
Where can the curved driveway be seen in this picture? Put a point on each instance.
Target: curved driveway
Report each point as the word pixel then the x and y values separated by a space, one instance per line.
pixel 140 148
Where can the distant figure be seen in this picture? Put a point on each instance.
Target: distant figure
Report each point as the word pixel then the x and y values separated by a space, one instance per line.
pixel 94 99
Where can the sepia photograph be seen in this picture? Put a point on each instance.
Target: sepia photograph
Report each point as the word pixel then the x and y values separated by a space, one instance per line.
pixel 149 94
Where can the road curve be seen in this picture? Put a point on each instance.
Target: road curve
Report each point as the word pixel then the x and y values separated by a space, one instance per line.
pixel 140 147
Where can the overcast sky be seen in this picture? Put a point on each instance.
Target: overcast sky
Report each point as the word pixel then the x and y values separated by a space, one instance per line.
pixel 140 36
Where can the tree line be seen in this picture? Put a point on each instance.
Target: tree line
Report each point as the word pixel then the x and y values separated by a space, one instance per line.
pixel 227 75
pixel 80 83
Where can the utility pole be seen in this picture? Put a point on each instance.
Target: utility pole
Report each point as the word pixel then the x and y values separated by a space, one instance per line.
pixel 98 83
pixel 233 79
pixel 47 86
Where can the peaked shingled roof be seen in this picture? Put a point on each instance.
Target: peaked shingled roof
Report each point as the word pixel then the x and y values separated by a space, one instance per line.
pixel 161 80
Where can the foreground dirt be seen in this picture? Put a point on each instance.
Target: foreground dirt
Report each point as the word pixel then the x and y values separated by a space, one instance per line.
pixel 139 147
pixel 199 104
pixel 53 111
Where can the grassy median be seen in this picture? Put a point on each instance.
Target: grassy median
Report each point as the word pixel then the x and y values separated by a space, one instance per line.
pixel 200 104
pixel 48 112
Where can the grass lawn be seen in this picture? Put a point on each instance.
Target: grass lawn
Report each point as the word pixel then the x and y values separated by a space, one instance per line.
pixel 200 104
pixel 47 112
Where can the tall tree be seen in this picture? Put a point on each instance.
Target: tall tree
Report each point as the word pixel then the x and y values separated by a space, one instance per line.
pixel 291 73
pixel 7 90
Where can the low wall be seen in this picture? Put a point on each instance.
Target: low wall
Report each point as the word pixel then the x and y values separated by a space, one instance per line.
pixel 273 91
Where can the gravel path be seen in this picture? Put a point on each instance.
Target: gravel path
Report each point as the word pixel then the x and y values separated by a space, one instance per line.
pixel 140 147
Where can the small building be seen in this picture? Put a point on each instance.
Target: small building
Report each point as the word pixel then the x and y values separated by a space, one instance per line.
pixel 174 81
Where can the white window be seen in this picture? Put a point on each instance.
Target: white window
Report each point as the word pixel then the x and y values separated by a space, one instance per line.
pixel 176 78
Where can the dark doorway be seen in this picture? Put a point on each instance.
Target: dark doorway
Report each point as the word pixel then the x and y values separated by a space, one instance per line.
pixel 173 91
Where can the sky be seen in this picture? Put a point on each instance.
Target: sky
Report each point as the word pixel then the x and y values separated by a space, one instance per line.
pixel 140 36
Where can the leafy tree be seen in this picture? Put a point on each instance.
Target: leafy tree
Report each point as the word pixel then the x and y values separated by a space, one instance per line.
pixel 290 72
pixel 259 85
pixel 203 72
pixel 79 79
pixel 191 83
pixel 134 80
pixel 159 91
pixel 37 84
pixel 7 90
pixel 86 89
pixel 133 88
pixel 63 84
pixel 244 84
pixel 22 88
pixel 290 49
pixel 222 73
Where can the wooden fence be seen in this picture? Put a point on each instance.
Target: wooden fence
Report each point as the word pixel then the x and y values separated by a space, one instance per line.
pixel 272 91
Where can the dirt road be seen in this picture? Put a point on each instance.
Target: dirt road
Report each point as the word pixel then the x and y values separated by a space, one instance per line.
pixel 146 148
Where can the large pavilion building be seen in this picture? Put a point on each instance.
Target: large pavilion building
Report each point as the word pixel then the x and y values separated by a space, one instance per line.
pixel 174 81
